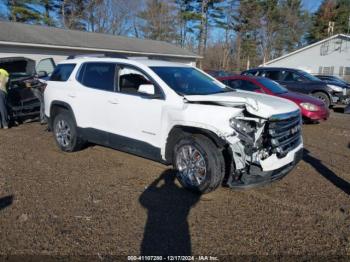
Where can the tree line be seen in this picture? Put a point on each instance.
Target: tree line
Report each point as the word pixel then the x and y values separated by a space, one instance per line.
pixel 229 34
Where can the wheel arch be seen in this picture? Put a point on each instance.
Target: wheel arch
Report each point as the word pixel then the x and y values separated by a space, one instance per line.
pixel 179 130
pixel 57 107
pixel 324 92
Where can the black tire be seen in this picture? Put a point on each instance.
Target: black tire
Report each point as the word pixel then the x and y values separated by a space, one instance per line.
pixel 324 97
pixel 74 143
pixel 214 163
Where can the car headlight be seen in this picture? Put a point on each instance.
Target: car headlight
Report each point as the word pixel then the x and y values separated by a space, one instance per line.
pixel 309 107
pixel 335 88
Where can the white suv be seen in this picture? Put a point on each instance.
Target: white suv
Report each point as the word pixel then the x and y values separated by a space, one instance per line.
pixel 175 114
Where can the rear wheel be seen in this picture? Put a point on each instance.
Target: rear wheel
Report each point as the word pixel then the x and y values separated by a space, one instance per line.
pixel 324 97
pixel 199 163
pixel 65 132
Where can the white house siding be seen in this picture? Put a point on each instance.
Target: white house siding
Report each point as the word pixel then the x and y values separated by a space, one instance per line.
pixel 329 57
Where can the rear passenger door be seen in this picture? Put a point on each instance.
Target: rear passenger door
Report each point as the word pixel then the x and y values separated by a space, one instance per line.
pixel 94 95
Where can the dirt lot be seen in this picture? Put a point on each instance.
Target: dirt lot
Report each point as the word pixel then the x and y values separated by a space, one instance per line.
pixel 100 201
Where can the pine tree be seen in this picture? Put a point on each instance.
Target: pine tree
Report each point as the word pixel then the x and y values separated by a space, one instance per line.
pixel 23 11
pixel 336 11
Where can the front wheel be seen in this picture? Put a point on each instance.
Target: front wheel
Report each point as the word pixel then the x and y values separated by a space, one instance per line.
pixel 324 97
pixel 199 163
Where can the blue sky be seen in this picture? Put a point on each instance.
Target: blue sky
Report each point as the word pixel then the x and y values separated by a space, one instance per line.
pixel 312 5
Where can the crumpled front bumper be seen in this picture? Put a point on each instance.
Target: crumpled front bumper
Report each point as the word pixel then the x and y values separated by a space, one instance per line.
pixel 257 177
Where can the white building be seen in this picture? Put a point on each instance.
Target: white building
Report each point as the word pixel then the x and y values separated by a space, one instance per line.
pixel 41 42
pixel 329 56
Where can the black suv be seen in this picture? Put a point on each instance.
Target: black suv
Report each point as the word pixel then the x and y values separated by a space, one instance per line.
pixel 299 81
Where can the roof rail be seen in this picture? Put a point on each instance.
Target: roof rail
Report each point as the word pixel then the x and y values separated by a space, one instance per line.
pixel 101 55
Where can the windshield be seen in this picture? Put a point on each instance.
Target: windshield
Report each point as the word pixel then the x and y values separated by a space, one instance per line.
pixel 308 76
pixel 272 86
pixel 189 81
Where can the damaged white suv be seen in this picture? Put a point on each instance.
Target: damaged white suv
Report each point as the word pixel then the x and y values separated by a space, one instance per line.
pixel 175 114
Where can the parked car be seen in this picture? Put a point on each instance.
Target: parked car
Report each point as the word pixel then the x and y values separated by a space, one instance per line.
pixel 339 84
pixel 218 73
pixel 174 114
pixel 312 109
pixel 21 102
pixel 302 82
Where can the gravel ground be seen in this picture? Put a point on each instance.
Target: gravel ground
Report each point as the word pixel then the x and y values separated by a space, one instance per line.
pixel 103 202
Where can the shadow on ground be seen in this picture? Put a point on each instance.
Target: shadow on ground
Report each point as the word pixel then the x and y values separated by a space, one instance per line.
pixel 326 172
pixel 168 205
pixel 6 201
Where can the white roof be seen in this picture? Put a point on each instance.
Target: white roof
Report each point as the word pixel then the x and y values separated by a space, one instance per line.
pixel 306 47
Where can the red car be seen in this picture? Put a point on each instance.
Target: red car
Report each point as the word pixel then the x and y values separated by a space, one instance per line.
pixel 311 108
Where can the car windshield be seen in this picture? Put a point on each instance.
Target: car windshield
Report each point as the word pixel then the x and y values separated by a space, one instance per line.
pixel 308 76
pixel 272 86
pixel 189 81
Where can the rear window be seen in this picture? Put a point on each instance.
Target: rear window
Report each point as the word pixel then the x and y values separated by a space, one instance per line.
pixel 62 72
pixel 98 75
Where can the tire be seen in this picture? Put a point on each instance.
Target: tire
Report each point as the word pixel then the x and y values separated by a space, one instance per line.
pixel 324 97
pixel 206 155
pixel 65 133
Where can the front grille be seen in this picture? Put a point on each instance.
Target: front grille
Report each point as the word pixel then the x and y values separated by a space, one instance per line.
pixel 284 132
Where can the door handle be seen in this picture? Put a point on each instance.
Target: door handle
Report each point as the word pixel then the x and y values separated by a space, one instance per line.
pixel 72 95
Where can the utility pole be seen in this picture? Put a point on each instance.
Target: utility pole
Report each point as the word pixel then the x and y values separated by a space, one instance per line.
pixel 348 26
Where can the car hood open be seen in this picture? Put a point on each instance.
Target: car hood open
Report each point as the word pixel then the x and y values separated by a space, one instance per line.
pixel 260 105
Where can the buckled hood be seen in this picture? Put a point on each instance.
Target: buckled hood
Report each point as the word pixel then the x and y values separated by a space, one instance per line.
pixel 260 105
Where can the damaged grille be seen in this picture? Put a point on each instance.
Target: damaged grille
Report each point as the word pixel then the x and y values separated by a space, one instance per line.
pixel 284 132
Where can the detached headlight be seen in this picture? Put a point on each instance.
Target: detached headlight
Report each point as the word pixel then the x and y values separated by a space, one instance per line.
pixel 241 126
pixel 335 88
pixel 309 107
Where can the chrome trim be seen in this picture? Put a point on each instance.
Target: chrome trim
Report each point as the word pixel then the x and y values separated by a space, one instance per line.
pixel 285 116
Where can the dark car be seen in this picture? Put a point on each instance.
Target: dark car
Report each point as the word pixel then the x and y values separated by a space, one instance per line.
pixel 302 82
pixel 21 101
pixel 312 109
pixel 337 83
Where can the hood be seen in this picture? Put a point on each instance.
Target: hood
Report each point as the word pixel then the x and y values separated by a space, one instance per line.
pixel 260 105
pixel 16 65
pixel 300 98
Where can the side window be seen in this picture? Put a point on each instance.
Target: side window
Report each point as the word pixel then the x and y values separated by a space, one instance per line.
pixel 62 72
pixel 274 75
pixel 98 75
pixel 251 73
pixel 234 83
pixel 248 86
pixel 46 65
pixel 130 79
pixel 290 76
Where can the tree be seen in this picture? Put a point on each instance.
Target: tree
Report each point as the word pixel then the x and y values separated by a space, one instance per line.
pixel 72 13
pixel 23 11
pixel 50 6
pixel 336 11
pixel 158 20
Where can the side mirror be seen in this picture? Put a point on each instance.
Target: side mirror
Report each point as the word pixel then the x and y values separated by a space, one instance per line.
pixel 147 89
pixel 42 74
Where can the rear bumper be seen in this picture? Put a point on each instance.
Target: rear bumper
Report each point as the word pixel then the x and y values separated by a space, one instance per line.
pixel 256 177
